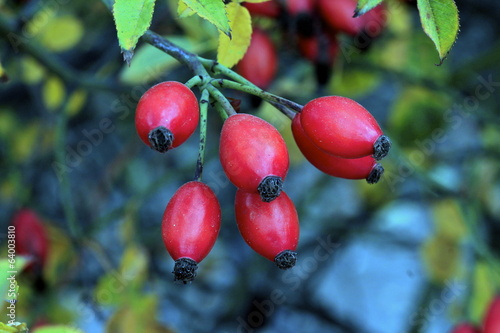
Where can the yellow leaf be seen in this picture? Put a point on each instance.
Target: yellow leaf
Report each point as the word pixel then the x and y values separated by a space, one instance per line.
pixel 483 291
pixel 354 83
pixel 137 316
pixel 25 142
pixel 3 74
pixel 183 10
pixel 57 329
pixel 61 257
pixel 449 220
pixel 53 93
pixel 61 33
pixel 8 123
pixel 231 51
pixel 134 264
pixel 32 71
pixel 75 102
pixel 441 257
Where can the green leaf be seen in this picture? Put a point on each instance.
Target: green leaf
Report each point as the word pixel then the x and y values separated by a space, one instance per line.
pixel 213 11
pixel 230 51
pixel 132 19
pixel 5 273
pixel 365 5
pixel 13 328
pixel 440 22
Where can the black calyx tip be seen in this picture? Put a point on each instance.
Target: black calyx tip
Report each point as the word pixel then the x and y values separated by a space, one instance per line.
pixel 270 188
pixel 185 270
pixel 161 139
pixel 286 259
pixel 375 174
pixel 381 147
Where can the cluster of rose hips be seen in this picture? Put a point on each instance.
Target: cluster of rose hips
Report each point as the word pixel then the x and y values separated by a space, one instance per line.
pixel 491 322
pixel 315 27
pixel 336 134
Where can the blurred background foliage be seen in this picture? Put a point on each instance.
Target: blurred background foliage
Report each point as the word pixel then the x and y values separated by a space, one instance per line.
pixel 417 252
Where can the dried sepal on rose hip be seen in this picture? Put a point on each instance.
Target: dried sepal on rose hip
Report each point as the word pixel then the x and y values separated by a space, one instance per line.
pixel 270 228
pixel 356 168
pixel 190 226
pixel 166 115
pixel 342 127
pixel 253 155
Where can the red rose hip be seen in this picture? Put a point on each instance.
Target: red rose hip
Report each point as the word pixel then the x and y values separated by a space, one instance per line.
pixel 31 239
pixel 338 14
pixel 341 127
pixel 270 8
pixel 167 115
pixel 491 322
pixel 355 168
pixel 270 228
pixel 190 227
pixel 465 328
pixel 260 63
pixel 253 155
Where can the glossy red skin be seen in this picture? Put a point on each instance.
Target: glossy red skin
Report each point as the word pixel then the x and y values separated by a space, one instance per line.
pixel 354 168
pixel 491 322
pixel 170 104
pixel 268 227
pixel 266 9
pixel 191 222
pixel 295 7
pixel 340 126
pixel 465 328
pixel 375 20
pixel 250 150
pixel 260 63
pixel 338 15
pixel 310 48
pixel 31 238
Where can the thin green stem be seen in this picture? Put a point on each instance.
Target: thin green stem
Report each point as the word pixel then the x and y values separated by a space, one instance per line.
pixel 223 83
pixel 194 81
pixel 221 100
pixel 204 100
pixel 60 144
pixel 216 68
pixel 222 113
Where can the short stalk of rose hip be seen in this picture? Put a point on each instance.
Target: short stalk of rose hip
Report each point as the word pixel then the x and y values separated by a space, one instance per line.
pixel 342 127
pixel 355 168
pixel 190 226
pixel 270 228
pixel 166 115
pixel 491 322
pixel 253 155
